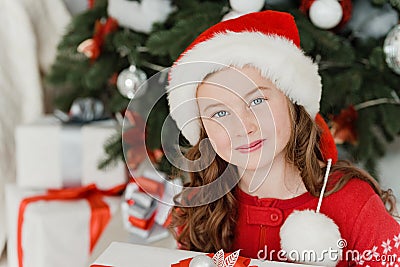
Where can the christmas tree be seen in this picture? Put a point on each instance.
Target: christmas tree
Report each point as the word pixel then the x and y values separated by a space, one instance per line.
pixel 110 49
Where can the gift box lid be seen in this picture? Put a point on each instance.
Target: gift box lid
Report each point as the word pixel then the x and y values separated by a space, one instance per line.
pixel 126 255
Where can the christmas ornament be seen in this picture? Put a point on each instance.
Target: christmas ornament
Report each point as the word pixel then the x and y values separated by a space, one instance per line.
pixel 241 7
pixel 231 15
pixel 89 48
pixel 346 10
pixel 310 230
pixel 325 14
pixel 369 21
pixel 86 109
pixel 217 260
pixel 202 261
pixel 139 15
pixel 391 48
pixel 131 82
pixel 82 110
pixel 92 47
pixel 343 126
pixel 245 6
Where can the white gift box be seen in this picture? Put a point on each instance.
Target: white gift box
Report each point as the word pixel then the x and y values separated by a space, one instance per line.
pixel 145 208
pixel 127 255
pixel 55 155
pixel 54 233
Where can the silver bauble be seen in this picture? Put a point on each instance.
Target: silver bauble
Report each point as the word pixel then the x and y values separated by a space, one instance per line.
pixel 202 261
pixel 130 81
pixel 86 109
pixel 391 48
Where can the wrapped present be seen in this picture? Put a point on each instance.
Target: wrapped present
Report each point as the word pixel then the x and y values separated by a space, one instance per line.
pixel 127 255
pixel 56 227
pixel 147 202
pixel 50 154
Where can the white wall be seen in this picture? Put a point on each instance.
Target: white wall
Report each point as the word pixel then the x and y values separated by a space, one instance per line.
pixel 389 168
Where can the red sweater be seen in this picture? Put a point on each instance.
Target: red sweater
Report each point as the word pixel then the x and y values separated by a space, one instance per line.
pixel 356 209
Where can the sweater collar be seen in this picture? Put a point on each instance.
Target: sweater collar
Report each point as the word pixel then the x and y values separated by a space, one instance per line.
pixel 247 199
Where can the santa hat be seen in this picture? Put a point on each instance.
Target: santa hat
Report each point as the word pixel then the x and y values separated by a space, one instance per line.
pixel 267 40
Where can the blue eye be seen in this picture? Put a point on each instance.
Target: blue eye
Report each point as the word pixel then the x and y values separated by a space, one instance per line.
pixel 257 101
pixel 220 114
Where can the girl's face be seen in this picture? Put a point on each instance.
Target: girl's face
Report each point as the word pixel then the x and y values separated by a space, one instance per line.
pixel 245 116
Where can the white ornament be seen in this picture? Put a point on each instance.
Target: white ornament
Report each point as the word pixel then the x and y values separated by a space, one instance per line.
pixel 202 261
pixel 391 48
pixel 139 16
pixel 326 14
pixel 370 21
pixel 246 6
pixel 308 230
pixel 232 15
pixel 217 261
pixel 131 82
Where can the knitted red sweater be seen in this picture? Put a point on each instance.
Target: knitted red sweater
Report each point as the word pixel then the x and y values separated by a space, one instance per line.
pixel 363 222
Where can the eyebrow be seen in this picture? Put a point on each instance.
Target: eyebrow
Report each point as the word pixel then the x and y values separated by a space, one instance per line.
pixel 245 95
pixel 255 90
pixel 212 106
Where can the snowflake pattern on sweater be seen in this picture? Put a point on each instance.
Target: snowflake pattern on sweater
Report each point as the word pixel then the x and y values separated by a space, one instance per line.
pixel 385 256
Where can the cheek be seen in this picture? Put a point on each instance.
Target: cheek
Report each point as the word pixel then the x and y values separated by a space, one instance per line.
pixel 283 128
pixel 218 135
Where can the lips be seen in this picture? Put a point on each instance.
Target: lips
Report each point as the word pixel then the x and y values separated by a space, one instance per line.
pixel 251 147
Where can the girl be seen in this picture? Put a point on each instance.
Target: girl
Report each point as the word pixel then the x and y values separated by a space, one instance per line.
pixel 245 91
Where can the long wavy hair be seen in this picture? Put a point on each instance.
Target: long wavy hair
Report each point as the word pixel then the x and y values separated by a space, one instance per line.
pixel 210 227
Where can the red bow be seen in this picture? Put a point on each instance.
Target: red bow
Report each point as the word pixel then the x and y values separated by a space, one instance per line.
pixel 92 47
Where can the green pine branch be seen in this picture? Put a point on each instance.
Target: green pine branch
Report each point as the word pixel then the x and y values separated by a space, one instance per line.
pixel 353 71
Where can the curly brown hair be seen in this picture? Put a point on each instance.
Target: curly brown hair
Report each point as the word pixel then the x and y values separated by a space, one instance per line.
pixel 210 227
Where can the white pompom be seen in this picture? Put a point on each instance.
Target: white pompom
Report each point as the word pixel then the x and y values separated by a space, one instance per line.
pixel 326 14
pixel 139 16
pixel 232 15
pixel 246 6
pixel 308 232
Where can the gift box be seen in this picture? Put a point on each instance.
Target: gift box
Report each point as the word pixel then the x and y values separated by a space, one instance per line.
pixel 50 154
pixel 147 202
pixel 56 227
pixel 127 255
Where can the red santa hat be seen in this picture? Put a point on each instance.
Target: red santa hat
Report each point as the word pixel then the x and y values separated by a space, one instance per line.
pixel 267 40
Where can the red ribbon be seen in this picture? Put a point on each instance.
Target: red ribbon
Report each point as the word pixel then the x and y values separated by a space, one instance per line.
pixel 102 29
pixel 142 223
pixel 92 47
pixel 100 212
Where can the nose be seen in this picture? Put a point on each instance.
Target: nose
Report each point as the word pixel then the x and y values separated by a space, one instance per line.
pixel 249 122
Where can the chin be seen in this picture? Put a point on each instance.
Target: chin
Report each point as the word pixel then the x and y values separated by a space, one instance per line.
pixel 252 166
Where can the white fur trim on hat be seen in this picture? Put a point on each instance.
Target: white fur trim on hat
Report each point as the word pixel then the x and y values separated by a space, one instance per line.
pixel 277 58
